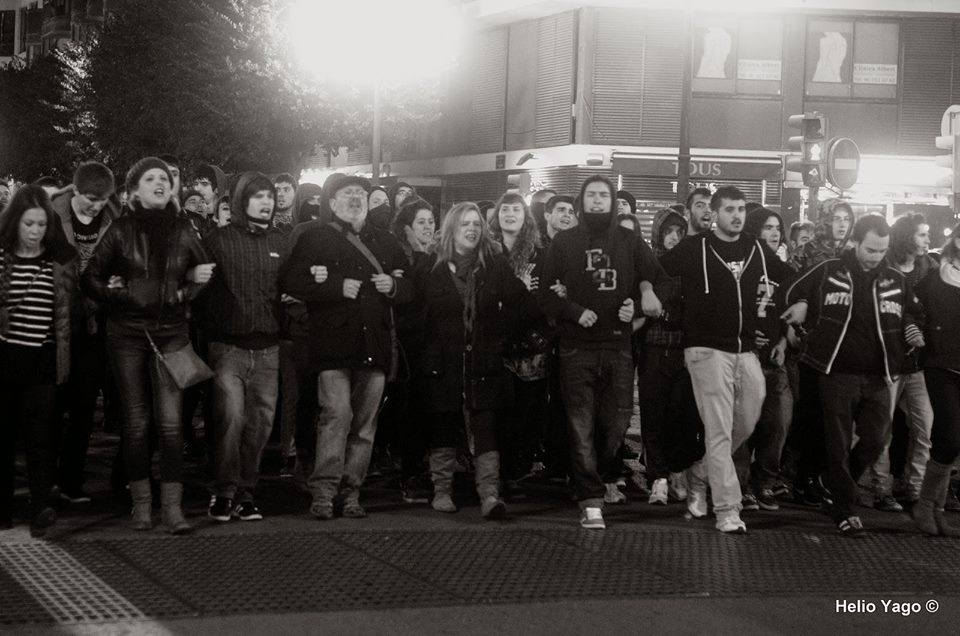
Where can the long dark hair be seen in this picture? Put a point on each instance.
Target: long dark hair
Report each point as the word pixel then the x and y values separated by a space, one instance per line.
pixel 528 239
pixel 26 198
pixel 901 236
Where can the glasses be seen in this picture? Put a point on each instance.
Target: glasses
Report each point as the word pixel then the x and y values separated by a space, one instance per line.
pixel 353 192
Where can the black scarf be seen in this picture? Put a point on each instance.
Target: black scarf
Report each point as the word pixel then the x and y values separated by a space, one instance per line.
pixel 465 280
pixel 158 225
pixel 381 216
pixel 597 222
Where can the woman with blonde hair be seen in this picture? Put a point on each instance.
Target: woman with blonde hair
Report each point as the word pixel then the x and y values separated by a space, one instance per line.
pixel 463 289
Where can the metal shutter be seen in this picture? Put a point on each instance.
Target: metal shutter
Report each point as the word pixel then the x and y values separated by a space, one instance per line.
pixel 662 80
pixel 555 76
pixel 489 79
pixel 926 83
pixel 618 76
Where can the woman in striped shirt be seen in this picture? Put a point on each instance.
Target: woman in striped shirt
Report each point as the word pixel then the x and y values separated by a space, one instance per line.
pixel 37 280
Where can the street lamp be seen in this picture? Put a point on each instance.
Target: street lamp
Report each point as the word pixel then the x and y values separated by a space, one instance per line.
pixel 384 42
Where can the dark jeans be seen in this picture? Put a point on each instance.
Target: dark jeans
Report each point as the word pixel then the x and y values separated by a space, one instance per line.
pixel 660 371
pixel 523 427
pixel 27 405
pixel 598 395
pixel 808 425
pixel 448 430
pixel 88 368
pixel 766 444
pixel 147 396
pixel 305 435
pixel 943 386
pixel 555 441
pixel 852 402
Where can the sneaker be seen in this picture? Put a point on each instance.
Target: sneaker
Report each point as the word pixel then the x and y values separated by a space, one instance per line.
pixel 76 496
pixel 247 511
pixel 887 503
pixel 697 503
pixel 289 468
pixel 322 510
pixel 658 495
pixel 779 489
pixel 851 527
pixel 613 495
pixel 767 500
pixel 221 509
pixel 808 492
pixel 678 487
pixel 749 502
pixel 729 521
pixel 412 491
pixel 353 510
pixel 592 519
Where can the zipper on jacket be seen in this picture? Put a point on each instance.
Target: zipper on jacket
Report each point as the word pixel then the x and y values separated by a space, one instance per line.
pixel 846 324
pixel 736 280
pixel 883 345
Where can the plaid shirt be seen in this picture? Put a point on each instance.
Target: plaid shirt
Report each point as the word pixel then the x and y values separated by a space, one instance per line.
pixel 241 303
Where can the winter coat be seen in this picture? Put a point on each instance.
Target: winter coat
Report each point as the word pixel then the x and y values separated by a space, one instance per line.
pixel 823 245
pixel 941 304
pixel 828 288
pixel 458 369
pixel 156 292
pixel 346 333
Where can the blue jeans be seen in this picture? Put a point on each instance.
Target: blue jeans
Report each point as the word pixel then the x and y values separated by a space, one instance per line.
pixel 766 444
pixel 852 402
pixel 349 400
pixel 244 403
pixel 598 397
pixel 142 383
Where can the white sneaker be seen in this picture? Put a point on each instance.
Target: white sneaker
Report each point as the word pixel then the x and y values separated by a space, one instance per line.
pixel 678 486
pixel 613 495
pixel 592 519
pixel 697 503
pixel 659 493
pixel 729 521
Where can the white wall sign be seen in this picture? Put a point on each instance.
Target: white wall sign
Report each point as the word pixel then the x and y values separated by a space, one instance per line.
pixel 875 74
pixel 758 70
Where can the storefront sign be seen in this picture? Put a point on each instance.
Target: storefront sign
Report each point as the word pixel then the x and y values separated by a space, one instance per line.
pixel 758 70
pixel 875 74
pixel 700 169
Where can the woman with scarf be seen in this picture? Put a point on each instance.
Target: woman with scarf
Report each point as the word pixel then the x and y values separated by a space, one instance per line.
pixel 38 278
pixel 146 269
pixel 464 289
pixel 939 293
pixel 524 428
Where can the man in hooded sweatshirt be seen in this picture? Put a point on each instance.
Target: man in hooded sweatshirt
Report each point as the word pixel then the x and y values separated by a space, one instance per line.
pixel 606 270
pixel 726 277
pixel 242 309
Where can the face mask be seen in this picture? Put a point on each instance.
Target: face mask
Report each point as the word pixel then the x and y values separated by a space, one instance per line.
pixel 597 222
pixel 309 211
pixel 381 216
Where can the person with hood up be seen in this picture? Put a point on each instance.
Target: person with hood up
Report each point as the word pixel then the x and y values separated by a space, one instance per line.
pixel 606 271
pixel 626 203
pixel 727 279
pixel 660 367
pixel 832 229
pixel 766 444
pixel 398 194
pixel 241 307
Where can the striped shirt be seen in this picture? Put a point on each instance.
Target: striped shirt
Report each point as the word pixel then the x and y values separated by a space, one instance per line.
pixel 30 302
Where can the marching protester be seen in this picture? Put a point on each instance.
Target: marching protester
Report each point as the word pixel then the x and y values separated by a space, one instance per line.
pixel 465 288
pixel 350 274
pixel 727 278
pixel 606 270
pixel 148 266
pixel 242 306
pixel 939 293
pixel 38 278
pixel 861 315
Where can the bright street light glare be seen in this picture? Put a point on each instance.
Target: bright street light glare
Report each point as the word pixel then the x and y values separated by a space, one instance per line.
pixel 362 41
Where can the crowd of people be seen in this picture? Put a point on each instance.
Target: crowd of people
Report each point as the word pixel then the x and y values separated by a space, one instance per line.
pixel 504 337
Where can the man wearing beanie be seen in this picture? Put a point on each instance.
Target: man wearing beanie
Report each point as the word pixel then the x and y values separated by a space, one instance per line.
pixel 606 270
pixel 85 212
pixel 350 274
pixel 241 309
pixel 626 203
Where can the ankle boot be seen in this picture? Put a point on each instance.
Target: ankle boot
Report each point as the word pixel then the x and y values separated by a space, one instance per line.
pixel 933 492
pixel 171 494
pixel 442 461
pixel 488 485
pixel 142 505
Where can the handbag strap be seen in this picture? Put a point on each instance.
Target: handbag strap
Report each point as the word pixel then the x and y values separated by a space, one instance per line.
pixel 153 345
pixel 355 241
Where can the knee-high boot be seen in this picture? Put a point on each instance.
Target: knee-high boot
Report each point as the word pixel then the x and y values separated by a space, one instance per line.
pixel 142 505
pixel 171 494
pixel 488 485
pixel 442 462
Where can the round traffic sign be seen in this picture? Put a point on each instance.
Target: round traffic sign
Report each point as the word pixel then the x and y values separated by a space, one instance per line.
pixel 843 162
pixel 947 121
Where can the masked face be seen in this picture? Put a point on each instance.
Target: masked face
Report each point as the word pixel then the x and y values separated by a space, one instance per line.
pixel 381 216
pixel 378 198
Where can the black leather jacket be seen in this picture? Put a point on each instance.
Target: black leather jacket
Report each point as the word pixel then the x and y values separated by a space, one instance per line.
pixel 124 251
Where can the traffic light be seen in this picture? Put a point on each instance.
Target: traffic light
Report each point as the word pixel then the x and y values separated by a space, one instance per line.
pixel 811 146
pixel 520 182
pixel 951 161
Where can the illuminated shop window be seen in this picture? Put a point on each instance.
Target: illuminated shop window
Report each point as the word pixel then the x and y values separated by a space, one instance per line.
pixel 737 56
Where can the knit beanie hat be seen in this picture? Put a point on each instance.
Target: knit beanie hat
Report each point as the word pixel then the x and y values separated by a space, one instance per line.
pixel 629 198
pixel 138 169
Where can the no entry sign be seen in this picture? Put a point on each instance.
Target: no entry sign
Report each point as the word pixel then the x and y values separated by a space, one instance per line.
pixel 843 162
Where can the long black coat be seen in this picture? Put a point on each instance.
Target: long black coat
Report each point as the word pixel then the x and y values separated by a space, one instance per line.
pixel 458 369
pixel 346 333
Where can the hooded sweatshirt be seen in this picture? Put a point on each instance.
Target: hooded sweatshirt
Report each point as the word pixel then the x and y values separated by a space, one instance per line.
pixel 666 331
pixel 823 245
pixel 600 269
pixel 769 326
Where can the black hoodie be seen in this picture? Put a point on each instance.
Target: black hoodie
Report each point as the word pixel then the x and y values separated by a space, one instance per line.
pixel 600 271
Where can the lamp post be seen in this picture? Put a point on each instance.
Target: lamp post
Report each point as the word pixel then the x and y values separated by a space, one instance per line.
pixel 375 142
